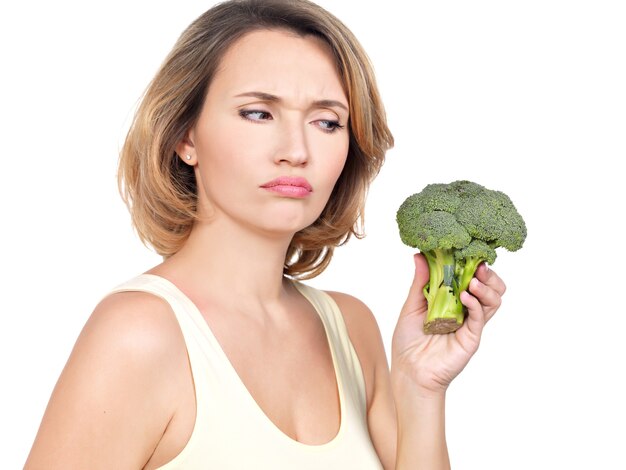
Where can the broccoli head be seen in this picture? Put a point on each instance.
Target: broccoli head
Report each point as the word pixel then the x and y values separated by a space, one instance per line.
pixel 457 226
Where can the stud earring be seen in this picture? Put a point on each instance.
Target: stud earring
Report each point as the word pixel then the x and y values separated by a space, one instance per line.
pixel 188 157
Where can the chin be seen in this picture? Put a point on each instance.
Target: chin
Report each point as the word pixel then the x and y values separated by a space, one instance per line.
pixel 288 224
pixel 284 229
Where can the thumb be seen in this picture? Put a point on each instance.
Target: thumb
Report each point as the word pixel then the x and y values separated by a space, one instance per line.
pixel 416 302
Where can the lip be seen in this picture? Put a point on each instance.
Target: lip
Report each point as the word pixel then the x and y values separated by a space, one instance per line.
pixel 289 186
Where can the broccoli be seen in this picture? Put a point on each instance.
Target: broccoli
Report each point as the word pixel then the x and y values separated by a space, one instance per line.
pixel 457 226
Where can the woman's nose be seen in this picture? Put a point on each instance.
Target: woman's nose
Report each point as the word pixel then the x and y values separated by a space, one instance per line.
pixel 294 147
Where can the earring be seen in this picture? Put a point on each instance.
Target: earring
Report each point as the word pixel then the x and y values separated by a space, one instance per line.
pixel 188 157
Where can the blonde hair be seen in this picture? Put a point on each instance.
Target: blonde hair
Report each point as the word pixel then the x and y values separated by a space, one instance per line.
pixel 160 190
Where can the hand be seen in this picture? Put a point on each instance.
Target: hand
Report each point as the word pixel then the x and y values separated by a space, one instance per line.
pixel 430 362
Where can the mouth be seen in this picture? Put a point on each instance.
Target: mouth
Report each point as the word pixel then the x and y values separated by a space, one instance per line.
pixel 289 186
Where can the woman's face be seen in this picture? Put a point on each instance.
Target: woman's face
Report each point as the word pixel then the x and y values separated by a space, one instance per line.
pixel 272 137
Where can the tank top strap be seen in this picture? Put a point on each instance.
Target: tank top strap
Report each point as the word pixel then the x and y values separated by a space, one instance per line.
pixel 162 288
pixel 190 323
pixel 350 371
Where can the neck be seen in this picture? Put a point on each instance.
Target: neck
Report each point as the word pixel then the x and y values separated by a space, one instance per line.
pixel 222 259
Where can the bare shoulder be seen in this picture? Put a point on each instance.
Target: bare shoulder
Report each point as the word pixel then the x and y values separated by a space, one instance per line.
pixel 136 328
pixel 117 391
pixel 359 319
pixel 139 321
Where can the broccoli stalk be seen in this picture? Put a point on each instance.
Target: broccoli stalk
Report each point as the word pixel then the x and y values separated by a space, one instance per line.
pixel 442 292
pixel 457 226
pixel 451 277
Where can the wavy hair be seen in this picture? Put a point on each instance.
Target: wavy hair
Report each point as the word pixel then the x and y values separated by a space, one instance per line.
pixel 160 191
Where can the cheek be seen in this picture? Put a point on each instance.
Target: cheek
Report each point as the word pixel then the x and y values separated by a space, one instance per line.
pixel 222 151
pixel 340 162
pixel 216 171
pixel 336 162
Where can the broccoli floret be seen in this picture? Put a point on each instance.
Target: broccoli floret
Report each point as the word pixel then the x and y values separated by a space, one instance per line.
pixel 457 226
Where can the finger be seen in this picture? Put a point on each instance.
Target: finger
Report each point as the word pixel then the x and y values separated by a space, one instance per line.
pixel 488 297
pixel 469 334
pixel 487 276
pixel 416 302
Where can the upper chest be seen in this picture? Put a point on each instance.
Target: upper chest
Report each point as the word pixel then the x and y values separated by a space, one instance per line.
pixel 287 368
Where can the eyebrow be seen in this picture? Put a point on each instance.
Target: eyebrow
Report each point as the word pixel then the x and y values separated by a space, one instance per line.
pixel 273 98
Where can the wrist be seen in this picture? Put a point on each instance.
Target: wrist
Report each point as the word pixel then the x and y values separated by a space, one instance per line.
pixel 421 437
pixel 406 386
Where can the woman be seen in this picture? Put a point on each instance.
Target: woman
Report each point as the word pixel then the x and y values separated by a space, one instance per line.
pixel 246 164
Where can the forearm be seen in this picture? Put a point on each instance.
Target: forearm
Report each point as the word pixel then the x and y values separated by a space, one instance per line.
pixel 421 428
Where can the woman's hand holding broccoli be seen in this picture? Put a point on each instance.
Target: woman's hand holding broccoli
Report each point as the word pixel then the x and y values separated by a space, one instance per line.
pixel 426 362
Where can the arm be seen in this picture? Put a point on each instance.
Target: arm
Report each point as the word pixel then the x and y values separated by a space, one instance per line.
pixel 421 427
pixel 115 395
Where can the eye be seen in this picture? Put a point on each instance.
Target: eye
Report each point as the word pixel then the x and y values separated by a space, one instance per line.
pixel 254 115
pixel 330 126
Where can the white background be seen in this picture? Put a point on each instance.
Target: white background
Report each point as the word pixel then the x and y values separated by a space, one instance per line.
pixel 526 97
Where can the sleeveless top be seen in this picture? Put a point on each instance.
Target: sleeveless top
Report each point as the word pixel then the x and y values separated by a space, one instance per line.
pixel 231 431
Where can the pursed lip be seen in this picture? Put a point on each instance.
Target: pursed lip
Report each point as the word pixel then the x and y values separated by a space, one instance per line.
pixel 289 181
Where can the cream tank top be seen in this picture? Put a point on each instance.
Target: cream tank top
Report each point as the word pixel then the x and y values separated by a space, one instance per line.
pixel 231 431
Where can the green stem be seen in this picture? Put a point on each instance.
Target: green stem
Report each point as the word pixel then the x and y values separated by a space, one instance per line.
pixel 467 272
pixel 446 305
pixel 442 294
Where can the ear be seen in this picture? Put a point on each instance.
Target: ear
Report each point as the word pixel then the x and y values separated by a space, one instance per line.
pixel 186 150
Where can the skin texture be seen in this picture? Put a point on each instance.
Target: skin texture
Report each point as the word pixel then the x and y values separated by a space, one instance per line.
pixel 125 399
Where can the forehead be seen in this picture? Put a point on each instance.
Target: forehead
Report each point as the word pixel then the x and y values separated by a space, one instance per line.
pixel 274 59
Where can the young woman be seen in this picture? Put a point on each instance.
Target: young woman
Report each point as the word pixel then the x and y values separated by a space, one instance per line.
pixel 246 164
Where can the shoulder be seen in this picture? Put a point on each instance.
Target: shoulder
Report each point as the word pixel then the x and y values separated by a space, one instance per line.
pixel 139 322
pixel 136 334
pixel 119 388
pixel 359 319
pixel 134 327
